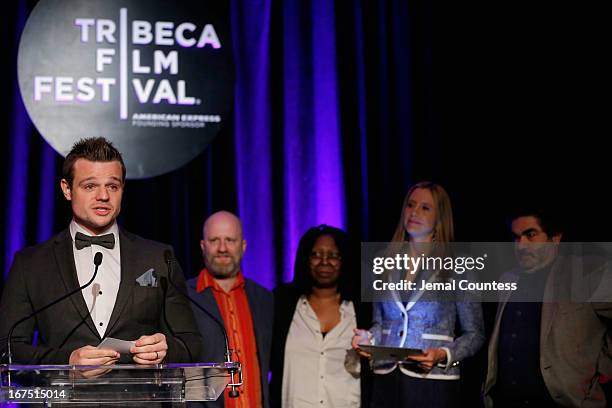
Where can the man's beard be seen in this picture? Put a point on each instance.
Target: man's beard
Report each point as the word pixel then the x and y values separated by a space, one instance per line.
pixel 538 259
pixel 223 271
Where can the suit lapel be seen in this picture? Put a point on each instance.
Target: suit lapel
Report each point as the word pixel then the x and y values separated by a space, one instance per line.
pixel 208 302
pixel 549 308
pixel 255 317
pixel 491 379
pixel 414 297
pixel 129 271
pixel 256 323
pixel 64 258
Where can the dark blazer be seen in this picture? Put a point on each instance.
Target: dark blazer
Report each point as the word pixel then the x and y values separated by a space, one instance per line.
pixel 213 346
pixel 45 272
pixel 285 301
pixel 575 338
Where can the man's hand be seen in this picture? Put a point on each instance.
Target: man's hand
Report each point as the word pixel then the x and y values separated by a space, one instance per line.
pixel 150 349
pixel 360 337
pixel 429 358
pixel 90 355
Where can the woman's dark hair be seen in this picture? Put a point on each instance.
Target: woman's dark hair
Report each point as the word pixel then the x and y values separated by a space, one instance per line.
pixel 302 280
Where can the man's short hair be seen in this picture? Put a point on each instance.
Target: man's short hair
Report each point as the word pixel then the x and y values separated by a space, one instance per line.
pixel 548 219
pixel 95 149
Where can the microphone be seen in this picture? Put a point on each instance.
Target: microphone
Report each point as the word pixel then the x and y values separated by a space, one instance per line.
pixel 163 282
pixel 228 352
pixel 97 262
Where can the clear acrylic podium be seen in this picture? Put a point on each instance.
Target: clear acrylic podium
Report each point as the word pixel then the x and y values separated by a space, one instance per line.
pixel 131 385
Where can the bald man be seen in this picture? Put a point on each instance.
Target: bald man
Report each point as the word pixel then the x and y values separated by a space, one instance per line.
pixel 245 308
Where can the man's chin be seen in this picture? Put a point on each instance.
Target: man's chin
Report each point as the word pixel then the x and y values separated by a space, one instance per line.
pixel 97 227
pixel 532 267
pixel 220 273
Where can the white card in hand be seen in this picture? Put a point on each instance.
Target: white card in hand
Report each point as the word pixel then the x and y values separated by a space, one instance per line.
pixel 120 346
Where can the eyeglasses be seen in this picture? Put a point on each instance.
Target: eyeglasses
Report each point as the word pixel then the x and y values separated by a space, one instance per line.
pixel 331 257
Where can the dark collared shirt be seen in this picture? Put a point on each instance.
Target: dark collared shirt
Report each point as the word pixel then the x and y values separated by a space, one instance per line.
pixel 519 379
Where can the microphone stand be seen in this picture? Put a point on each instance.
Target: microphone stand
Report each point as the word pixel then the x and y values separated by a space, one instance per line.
pixel 97 262
pixel 228 352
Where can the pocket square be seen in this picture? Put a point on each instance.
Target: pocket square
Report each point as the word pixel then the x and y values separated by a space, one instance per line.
pixel 149 278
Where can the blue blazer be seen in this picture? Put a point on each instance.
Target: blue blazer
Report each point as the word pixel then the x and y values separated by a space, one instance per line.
pixel 429 320
pixel 261 303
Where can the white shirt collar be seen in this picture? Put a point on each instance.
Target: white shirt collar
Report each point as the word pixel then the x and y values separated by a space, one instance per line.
pixel 346 307
pixel 75 227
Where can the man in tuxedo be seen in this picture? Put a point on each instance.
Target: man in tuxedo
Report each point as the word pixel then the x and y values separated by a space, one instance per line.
pixel 125 301
pixel 244 307
pixel 554 352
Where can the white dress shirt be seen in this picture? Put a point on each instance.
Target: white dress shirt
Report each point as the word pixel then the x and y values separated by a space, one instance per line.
pixel 314 369
pixel 100 296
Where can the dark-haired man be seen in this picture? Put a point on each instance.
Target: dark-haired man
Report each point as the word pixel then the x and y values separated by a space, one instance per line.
pixel 125 301
pixel 554 352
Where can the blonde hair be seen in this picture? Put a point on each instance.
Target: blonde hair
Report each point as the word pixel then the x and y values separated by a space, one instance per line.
pixel 443 229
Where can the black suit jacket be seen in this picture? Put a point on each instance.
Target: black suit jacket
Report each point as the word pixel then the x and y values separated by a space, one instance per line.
pixel 261 305
pixel 45 272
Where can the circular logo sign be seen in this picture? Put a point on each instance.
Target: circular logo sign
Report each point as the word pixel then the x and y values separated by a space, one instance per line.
pixel 153 77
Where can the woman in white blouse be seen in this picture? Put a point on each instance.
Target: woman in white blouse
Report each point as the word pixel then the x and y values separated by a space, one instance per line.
pixel 313 363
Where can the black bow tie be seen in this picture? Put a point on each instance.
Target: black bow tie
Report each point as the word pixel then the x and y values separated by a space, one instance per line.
pixel 81 240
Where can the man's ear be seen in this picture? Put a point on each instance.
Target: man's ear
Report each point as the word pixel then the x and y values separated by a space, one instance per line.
pixel 557 238
pixel 244 245
pixel 65 186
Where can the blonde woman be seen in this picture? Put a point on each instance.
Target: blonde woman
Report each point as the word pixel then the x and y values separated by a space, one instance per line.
pixel 426 322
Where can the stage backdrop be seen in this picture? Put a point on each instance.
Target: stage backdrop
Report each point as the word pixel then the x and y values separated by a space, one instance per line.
pixel 337 108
